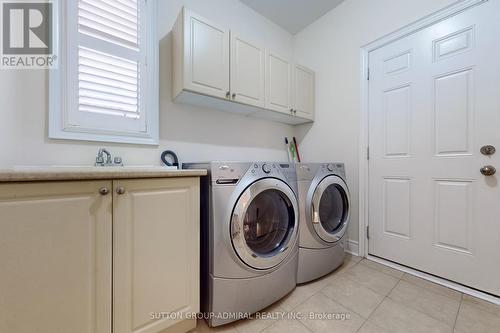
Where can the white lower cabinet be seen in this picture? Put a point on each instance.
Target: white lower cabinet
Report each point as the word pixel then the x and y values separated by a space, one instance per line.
pixel 99 256
pixel 55 257
pixel 156 250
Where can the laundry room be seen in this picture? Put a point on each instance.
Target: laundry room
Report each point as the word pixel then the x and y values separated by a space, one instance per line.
pixel 249 166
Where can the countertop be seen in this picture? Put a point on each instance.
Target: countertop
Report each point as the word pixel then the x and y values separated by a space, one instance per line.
pixel 54 173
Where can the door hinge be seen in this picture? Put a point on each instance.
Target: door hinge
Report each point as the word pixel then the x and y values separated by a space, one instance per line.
pixel 368 232
pixel 368 153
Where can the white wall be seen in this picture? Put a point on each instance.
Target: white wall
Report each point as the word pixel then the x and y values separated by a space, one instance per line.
pixel 331 46
pixel 194 133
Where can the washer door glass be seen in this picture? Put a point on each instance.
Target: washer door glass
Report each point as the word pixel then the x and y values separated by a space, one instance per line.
pixel 330 209
pixel 268 221
pixel 264 223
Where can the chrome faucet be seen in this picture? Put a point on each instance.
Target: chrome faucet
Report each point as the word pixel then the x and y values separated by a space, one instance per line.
pixel 104 158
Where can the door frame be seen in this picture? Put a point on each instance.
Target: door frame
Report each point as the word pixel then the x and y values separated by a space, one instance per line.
pixel 365 51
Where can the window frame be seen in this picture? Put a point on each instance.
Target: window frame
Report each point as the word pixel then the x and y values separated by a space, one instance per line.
pixel 63 80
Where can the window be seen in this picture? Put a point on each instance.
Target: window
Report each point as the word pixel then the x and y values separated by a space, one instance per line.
pixel 106 85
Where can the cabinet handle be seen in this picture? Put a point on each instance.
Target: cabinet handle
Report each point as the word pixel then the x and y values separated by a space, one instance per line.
pixel 234 96
pixel 104 191
pixel 228 94
pixel 291 111
pixel 120 190
pixel 295 112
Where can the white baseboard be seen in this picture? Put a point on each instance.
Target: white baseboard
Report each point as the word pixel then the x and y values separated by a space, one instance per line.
pixel 438 280
pixel 352 247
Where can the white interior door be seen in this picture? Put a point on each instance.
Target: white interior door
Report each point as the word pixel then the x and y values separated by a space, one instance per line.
pixel 434 102
pixel 247 72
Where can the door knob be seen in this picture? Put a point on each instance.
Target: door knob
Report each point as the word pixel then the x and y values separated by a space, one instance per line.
pixel 488 170
pixel 488 150
pixel 120 190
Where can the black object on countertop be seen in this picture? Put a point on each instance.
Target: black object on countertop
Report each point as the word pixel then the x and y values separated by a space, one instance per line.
pixel 169 158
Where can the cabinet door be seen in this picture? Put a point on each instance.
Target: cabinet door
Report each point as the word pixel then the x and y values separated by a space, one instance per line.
pixel 278 83
pixel 55 254
pixel 156 253
pixel 247 72
pixel 303 92
pixel 206 56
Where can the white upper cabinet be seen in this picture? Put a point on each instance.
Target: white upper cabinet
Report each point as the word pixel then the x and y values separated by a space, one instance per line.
pixel 279 83
pixel 247 71
pixel 303 92
pixel 217 68
pixel 201 60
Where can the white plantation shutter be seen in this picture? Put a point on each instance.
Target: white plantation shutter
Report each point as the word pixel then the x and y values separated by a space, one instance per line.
pixel 111 89
pixel 111 20
pixel 108 80
pixel 107 84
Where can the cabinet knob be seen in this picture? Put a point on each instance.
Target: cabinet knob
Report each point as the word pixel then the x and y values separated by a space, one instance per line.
pixel 120 190
pixel 104 191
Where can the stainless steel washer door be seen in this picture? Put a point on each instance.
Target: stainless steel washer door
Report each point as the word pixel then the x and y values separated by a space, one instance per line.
pixel 264 223
pixel 330 209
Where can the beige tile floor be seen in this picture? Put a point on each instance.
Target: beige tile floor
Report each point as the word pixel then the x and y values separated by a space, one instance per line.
pixel 373 299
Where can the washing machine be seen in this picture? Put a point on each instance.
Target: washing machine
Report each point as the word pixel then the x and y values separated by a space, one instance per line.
pixel 324 204
pixel 249 237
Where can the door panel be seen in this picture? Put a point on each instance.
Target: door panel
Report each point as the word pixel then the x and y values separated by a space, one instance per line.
pixel 397 207
pixel 55 251
pixel 207 56
pixel 156 251
pixel 453 113
pixel 433 103
pixel 303 92
pixel 247 71
pixel 278 83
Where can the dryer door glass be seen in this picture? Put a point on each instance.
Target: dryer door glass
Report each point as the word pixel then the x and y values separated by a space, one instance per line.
pixel 333 208
pixel 330 209
pixel 267 222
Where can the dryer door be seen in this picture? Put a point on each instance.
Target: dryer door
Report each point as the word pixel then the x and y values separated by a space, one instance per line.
pixel 330 209
pixel 264 223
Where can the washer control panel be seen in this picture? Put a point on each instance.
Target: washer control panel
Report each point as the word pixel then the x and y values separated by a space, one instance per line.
pixel 230 173
pixel 270 169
